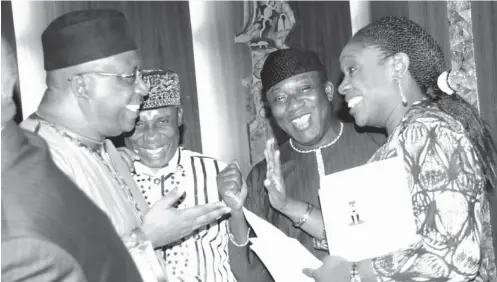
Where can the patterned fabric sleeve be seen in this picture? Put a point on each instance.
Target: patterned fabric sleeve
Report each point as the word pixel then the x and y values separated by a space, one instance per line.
pixel 446 185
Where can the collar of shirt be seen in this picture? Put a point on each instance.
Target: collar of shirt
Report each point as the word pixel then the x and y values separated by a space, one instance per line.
pixel 140 168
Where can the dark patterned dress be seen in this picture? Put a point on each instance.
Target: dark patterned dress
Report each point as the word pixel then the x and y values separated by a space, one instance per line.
pixel 449 199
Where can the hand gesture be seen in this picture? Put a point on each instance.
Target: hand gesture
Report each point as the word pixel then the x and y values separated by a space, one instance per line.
pixel 129 157
pixel 231 187
pixel 334 269
pixel 274 182
pixel 163 224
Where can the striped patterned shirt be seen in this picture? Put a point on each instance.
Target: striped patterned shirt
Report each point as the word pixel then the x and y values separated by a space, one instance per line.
pixel 202 256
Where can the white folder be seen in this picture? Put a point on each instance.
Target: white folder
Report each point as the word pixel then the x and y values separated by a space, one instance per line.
pixel 368 210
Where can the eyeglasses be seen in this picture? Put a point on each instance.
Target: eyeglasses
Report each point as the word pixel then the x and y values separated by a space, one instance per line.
pixel 133 77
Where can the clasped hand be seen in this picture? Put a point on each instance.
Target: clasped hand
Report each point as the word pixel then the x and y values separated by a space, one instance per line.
pixel 232 187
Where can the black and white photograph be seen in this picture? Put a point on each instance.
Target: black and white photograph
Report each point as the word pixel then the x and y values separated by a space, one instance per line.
pixel 249 141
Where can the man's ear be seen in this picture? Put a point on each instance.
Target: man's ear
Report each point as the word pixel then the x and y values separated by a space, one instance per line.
pixel 180 116
pixel 329 89
pixel 79 87
pixel 400 63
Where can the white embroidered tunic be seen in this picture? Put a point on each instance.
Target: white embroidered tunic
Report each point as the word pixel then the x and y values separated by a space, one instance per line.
pixel 98 170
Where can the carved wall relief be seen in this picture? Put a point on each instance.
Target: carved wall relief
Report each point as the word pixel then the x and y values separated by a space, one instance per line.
pixel 463 74
pixel 267 24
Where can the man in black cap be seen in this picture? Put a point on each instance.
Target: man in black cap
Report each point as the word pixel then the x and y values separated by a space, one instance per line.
pixel 51 231
pixel 95 90
pixel 299 95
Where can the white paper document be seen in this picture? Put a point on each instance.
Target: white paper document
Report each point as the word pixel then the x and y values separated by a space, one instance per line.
pixel 284 257
pixel 367 210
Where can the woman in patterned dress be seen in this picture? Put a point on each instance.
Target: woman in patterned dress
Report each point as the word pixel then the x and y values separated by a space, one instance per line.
pixel 391 70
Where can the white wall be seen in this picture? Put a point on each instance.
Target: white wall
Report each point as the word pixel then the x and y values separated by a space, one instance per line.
pixel 220 65
pixel 28 26
pixel 360 14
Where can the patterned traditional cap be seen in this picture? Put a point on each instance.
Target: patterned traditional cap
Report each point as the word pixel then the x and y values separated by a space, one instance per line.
pixel 284 63
pixel 83 36
pixel 164 89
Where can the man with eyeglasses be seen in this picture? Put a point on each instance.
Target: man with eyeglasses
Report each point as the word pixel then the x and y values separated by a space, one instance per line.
pixel 95 90
pixel 46 219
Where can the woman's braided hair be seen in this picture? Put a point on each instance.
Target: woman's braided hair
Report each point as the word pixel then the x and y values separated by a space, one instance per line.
pixel 392 35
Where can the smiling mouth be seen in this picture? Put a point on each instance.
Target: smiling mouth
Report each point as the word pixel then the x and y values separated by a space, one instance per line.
pixel 301 123
pixel 154 151
pixel 354 102
pixel 133 108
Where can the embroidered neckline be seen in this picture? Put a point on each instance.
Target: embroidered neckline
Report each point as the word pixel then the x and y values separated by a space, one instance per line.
pixel 97 149
pixel 73 136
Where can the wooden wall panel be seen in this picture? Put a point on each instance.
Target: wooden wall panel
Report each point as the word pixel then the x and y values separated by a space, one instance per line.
pixel 162 31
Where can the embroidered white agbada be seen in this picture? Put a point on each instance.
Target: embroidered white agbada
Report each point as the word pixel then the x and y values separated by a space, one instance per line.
pixel 98 170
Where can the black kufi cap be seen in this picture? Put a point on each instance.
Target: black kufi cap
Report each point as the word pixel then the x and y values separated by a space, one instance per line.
pixel 284 63
pixel 83 36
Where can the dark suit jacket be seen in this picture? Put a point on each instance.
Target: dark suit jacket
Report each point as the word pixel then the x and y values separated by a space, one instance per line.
pixel 51 231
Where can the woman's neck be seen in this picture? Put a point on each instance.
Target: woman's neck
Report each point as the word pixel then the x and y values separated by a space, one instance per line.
pixel 395 118
pixel 413 94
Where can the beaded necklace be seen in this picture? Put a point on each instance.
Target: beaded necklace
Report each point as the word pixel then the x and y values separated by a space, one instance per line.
pixel 319 155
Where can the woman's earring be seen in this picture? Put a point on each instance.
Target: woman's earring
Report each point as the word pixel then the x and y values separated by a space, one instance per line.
pixel 329 89
pixel 404 100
